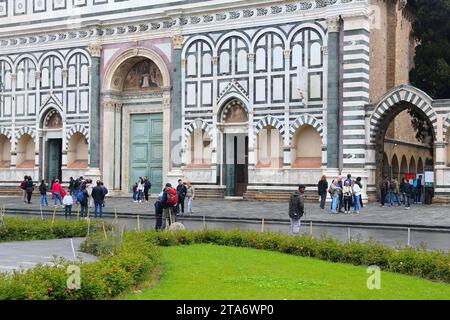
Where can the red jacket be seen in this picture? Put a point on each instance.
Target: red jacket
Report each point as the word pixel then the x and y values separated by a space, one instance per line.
pixel 56 188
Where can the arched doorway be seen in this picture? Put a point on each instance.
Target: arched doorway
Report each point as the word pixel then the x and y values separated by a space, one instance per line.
pixel 233 124
pixel 136 120
pixel 51 126
pixel 403 123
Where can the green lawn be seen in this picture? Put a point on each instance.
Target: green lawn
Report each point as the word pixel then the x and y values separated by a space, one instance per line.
pixel 216 272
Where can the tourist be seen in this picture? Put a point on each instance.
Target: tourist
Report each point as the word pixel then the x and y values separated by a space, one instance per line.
pixel 181 190
pixel 68 202
pixel 141 190
pixel 341 195
pixel 190 194
pixel 22 186
pixel 77 186
pixel 418 190
pixel 43 192
pixel 348 194
pixel 105 192
pixel 384 187
pixel 159 212
pixel 395 192
pixel 360 185
pixel 405 189
pixel 71 186
pixel 147 187
pixel 322 188
pixel 169 202
pixel 29 188
pixel 335 191
pixel 56 192
pixel 135 192
pixel 89 187
pixel 98 195
pixel 296 209
pixel 82 199
pixel 350 182
pixel 357 195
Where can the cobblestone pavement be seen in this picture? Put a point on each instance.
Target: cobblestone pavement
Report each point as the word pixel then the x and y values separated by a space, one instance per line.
pixel 26 254
pixel 420 215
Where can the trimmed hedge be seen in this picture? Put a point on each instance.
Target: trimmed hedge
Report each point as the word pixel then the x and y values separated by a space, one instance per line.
pixel 432 265
pixel 123 264
pixel 19 229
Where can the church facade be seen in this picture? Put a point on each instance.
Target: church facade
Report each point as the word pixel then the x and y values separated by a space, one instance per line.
pixel 242 98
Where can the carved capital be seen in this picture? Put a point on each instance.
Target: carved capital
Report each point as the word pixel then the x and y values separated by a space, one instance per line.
pixel 118 107
pixel 110 105
pixel 333 24
pixel 287 53
pixel 325 50
pixel 251 57
pixel 95 49
pixel 177 41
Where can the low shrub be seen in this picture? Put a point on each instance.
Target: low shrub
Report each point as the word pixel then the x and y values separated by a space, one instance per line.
pixel 432 265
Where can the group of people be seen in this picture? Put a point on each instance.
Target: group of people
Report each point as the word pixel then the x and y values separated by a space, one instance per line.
pixel 345 193
pixel 170 203
pixel 141 190
pixel 80 191
pixel 392 191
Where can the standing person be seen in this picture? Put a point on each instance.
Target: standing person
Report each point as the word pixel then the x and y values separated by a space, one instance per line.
pixel 22 186
pixel 357 193
pixel 29 188
pixel 190 194
pixel 141 190
pixel 296 208
pixel 105 192
pixel 68 202
pixel 56 192
pixel 384 186
pixel 43 192
pixel 405 189
pixel 82 199
pixel 181 190
pixel 348 194
pixel 395 192
pixel 169 202
pixel 390 193
pixel 341 194
pixel 158 214
pixel 71 186
pixel 322 188
pixel 89 187
pixel 360 185
pixel 135 192
pixel 77 186
pixel 335 195
pixel 147 187
pixel 350 182
pixel 98 195
pixel 418 190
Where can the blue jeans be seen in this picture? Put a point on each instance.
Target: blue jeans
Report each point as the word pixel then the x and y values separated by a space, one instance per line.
pixel 44 199
pixel 68 210
pixel 98 206
pixel 140 195
pixel 189 208
pixel 323 198
pixel 418 196
pixel 84 210
pixel 405 198
pixel 357 203
pixel 335 204
pixel 135 196
pixel 57 196
pixel 392 198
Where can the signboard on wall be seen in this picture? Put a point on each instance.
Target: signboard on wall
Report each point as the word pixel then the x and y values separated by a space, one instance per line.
pixel 429 178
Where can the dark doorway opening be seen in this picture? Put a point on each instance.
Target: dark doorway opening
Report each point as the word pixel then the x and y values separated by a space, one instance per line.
pixel 54 159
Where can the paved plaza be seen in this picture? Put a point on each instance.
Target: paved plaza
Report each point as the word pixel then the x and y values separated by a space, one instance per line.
pixel 419 215
pixel 26 254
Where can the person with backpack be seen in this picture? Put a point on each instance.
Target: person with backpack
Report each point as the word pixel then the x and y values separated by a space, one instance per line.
pixel 56 192
pixel 147 187
pixel 296 208
pixel 169 202
pixel 322 188
pixel 335 192
pixel 68 202
pixel 43 192
pixel 29 188
pixel 418 190
pixel 82 199
pixel 98 194
pixel 348 195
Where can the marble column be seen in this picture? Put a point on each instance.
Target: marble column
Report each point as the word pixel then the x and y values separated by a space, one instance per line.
pixel 94 133
pixel 175 112
pixel 333 142
pixel 109 108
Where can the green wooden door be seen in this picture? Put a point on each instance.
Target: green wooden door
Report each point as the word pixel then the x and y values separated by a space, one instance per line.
pixel 147 149
pixel 54 159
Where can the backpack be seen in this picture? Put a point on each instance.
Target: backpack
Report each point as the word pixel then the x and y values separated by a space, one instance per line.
pixel 415 183
pixel 22 185
pixel 80 197
pixel 172 198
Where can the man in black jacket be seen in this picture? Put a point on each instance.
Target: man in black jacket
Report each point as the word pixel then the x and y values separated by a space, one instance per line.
pixel 182 191
pixel 296 208
pixel 147 187
pixel 98 194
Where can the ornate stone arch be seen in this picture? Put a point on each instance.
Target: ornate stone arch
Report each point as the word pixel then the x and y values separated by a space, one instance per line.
pixel 305 119
pixel 193 39
pixel 405 93
pixel 262 32
pixel 25 130
pixel 74 129
pixel 6 132
pixel 71 53
pixel 269 121
pixel 111 70
pixel 303 26
pixel 49 54
pixel 224 37
pixel 198 124
pixel 23 57
pixel 446 125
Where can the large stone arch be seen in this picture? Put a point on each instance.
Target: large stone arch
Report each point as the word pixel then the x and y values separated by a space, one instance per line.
pixel 269 121
pixel 305 119
pixel 403 93
pixel 113 81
